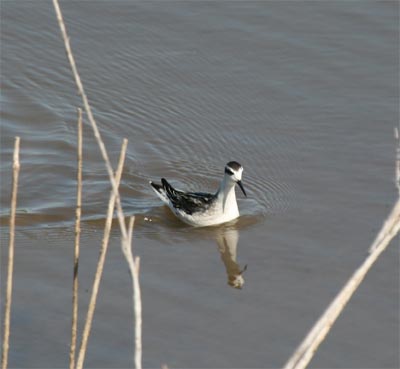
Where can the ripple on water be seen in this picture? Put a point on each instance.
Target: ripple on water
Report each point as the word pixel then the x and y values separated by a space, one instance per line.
pixel 186 116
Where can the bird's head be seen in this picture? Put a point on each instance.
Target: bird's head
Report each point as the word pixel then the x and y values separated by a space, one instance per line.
pixel 233 172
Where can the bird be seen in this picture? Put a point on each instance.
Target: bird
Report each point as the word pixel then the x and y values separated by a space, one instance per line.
pixel 200 209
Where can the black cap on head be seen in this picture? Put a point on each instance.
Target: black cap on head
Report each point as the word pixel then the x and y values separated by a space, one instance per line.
pixel 234 165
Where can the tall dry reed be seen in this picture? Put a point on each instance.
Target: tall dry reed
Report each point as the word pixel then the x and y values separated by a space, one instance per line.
pixel 134 267
pixel 91 119
pixel 78 212
pixel 304 353
pixel 307 348
pixel 10 267
pixel 101 261
pixel 96 132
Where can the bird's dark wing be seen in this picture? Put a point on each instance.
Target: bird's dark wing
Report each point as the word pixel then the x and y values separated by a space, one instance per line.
pixel 189 202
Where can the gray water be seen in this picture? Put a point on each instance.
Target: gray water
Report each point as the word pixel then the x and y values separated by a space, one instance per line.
pixel 303 94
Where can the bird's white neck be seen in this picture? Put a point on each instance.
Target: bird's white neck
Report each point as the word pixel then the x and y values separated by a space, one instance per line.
pixel 226 194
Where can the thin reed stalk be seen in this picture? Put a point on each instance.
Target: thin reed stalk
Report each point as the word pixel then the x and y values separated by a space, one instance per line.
pixel 120 214
pixel 78 212
pixel 137 309
pixel 91 119
pixel 101 261
pixel 10 268
pixel 134 267
pixel 304 353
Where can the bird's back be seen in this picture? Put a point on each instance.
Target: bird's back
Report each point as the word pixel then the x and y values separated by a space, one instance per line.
pixel 187 202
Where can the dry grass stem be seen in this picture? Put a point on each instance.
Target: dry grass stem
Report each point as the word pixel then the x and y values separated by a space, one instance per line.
pixel 130 229
pixel 78 211
pixel 304 353
pixel 134 266
pixel 7 312
pixel 124 233
pixel 137 303
pixel 101 261
pixel 91 119
pixel 308 347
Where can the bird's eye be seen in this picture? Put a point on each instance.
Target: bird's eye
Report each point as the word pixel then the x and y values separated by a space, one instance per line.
pixel 228 171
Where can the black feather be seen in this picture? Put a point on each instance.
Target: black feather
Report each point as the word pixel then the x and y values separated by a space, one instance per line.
pixel 156 186
pixel 234 165
pixel 189 202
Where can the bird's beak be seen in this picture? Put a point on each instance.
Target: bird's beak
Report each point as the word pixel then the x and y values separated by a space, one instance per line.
pixel 241 187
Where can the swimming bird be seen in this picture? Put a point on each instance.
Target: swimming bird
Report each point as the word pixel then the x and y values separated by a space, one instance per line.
pixel 201 209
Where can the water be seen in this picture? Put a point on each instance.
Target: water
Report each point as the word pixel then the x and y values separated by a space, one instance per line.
pixel 304 95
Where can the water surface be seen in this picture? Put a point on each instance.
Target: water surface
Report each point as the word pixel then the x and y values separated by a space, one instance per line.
pixel 304 95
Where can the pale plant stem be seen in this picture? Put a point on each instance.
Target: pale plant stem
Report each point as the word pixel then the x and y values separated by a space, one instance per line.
pixel 7 312
pixel 91 119
pixel 134 267
pixel 78 212
pixel 120 214
pixel 304 353
pixel 101 261
pixel 137 303
pixel 306 350
pixel 130 229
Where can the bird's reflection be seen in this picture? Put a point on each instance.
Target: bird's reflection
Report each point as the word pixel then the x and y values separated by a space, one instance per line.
pixel 227 240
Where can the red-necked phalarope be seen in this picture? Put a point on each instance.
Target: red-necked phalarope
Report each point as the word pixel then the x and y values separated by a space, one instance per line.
pixel 201 209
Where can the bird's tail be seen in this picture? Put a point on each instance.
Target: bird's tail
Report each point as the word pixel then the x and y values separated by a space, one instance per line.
pixel 167 187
